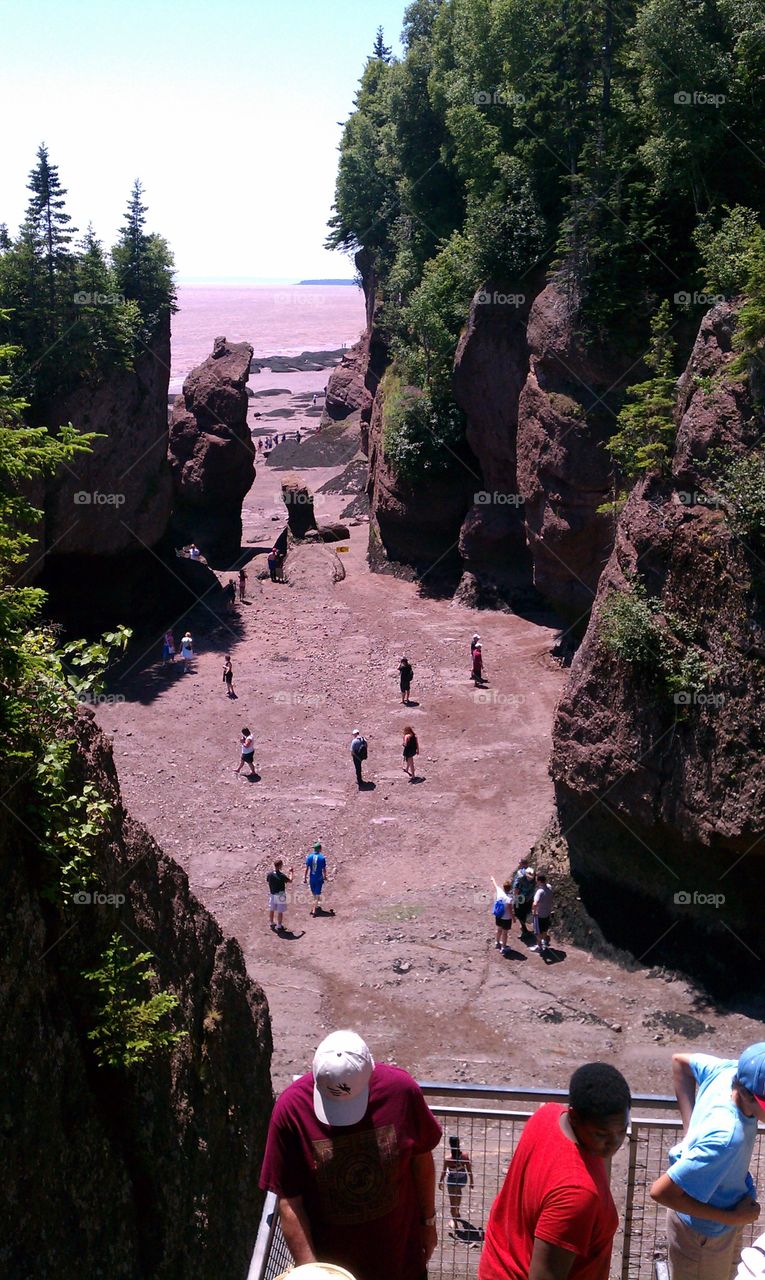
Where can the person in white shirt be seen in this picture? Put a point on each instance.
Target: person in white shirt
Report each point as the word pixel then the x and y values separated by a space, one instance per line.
pixel 541 911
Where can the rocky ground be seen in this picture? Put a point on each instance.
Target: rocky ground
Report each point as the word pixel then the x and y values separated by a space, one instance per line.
pixel 408 958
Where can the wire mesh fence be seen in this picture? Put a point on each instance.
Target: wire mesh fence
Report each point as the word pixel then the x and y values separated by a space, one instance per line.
pixel 487 1138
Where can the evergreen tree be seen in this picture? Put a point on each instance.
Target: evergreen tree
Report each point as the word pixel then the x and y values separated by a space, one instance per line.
pixel 5 239
pixel 143 266
pixel 48 227
pixel 380 49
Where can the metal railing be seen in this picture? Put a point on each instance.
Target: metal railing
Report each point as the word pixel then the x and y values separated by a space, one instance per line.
pixel 489 1135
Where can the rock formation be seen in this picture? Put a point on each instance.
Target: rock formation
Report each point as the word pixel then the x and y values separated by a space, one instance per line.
pixel 298 500
pixel 658 763
pixel 211 454
pixel 418 526
pixel 115 499
pixel 566 412
pixel 490 370
pixel 143 1172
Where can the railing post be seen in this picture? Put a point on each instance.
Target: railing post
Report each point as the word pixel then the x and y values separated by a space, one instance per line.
pixel 629 1201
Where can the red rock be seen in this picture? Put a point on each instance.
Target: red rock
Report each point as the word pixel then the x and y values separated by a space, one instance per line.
pixel 211 454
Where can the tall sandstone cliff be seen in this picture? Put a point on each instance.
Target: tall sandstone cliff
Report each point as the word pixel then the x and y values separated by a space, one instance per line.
pixel 662 794
pixel 141 1174
pixel 212 457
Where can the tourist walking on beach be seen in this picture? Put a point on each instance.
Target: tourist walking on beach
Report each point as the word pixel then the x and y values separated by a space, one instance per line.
pixel 458 1168
pixel 476 639
pixel 228 676
pixel 230 593
pixel 708 1191
pixel 168 647
pixel 246 752
pixel 541 910
pixel 503 914
pixel 405 676
pixel 477 672
pixel 555 1216
pixel 523 893
pixel 411 749
pixel 277 894
pixel 316 874
pixel 242 583
pixel 187 649
pixel 273 564
pixel 358 754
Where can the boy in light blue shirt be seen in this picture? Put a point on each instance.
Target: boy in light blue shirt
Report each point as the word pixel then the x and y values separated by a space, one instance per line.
pixel 708 1189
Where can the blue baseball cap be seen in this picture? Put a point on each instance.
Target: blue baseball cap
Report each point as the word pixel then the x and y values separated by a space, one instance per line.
pixel 751 1070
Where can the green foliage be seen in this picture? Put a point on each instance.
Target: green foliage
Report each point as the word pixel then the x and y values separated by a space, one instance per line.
pixel 726 251
pixel 130 1029
pixel 742 487
pixel 749 339
pixel 419 437
pixel 75 312
pixel 657 643
pixel 645 426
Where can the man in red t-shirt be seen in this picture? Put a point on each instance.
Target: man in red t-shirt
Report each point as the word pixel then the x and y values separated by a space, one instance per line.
pixel 350 1155
pixel 555 1218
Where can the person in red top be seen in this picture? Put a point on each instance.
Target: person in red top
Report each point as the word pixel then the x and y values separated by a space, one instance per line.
pixel 555 1217
pixel 349 1153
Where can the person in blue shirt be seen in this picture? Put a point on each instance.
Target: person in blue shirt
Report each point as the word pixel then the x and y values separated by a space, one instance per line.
pixel 316 874
pixel 708 1190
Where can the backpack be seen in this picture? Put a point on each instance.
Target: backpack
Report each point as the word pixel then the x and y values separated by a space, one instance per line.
pixel 362 751
pixel 499 909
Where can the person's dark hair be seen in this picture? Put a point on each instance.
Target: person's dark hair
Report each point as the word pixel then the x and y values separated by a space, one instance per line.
pixel 454 1143
pixel 542 875
pixel 507 885
pixel 245 729
pixel 278 862
pixel 597 1090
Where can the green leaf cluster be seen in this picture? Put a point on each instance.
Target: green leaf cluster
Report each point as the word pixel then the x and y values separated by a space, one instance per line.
pixel 655 641
pixel 130 1028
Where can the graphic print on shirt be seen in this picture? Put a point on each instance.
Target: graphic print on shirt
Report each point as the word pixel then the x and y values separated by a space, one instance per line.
pixel 357 1175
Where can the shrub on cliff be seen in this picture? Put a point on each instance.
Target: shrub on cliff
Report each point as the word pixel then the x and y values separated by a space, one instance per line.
pixel 418 438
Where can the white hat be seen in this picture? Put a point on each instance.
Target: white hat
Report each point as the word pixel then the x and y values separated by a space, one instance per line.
pixel 316 1271
pixel 529 872
pixel 342 1069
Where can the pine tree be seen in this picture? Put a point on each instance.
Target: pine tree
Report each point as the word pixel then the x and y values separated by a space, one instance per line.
pixel 48 225
pixel 380 49
pixel 143 266
pixel 5 239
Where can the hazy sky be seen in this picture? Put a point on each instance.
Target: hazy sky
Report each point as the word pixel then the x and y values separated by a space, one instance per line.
pixel 228 112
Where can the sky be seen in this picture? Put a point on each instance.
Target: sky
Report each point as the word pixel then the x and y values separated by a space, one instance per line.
pixel 229 114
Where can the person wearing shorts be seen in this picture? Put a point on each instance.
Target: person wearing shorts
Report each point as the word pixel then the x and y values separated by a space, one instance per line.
pixel 278 879
pixel 247 752
pixel 457 1169
pixel 542 913
pixel 405 674
pixel 503 922
pixel 316 875
pixel 523 894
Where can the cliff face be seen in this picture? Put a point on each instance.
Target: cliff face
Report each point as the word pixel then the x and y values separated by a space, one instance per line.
pixel 212 457
pixel 116 499
pixel 150 1172
pixel 660 789
pixel 490 371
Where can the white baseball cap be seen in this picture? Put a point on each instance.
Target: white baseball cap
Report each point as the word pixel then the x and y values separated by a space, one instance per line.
pixel 342 1069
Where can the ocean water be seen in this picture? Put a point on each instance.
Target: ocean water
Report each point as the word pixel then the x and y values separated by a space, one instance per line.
pixel 277 320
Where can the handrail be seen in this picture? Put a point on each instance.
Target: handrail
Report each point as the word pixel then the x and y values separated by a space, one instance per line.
pixel 651 1101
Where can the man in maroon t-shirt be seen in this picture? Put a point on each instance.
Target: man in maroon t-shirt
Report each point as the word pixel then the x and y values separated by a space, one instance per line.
pixel 350 1155
pixel 555 1218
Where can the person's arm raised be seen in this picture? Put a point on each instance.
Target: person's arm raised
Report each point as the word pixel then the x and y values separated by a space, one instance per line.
pixel 296 1229
pixel 684 1082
